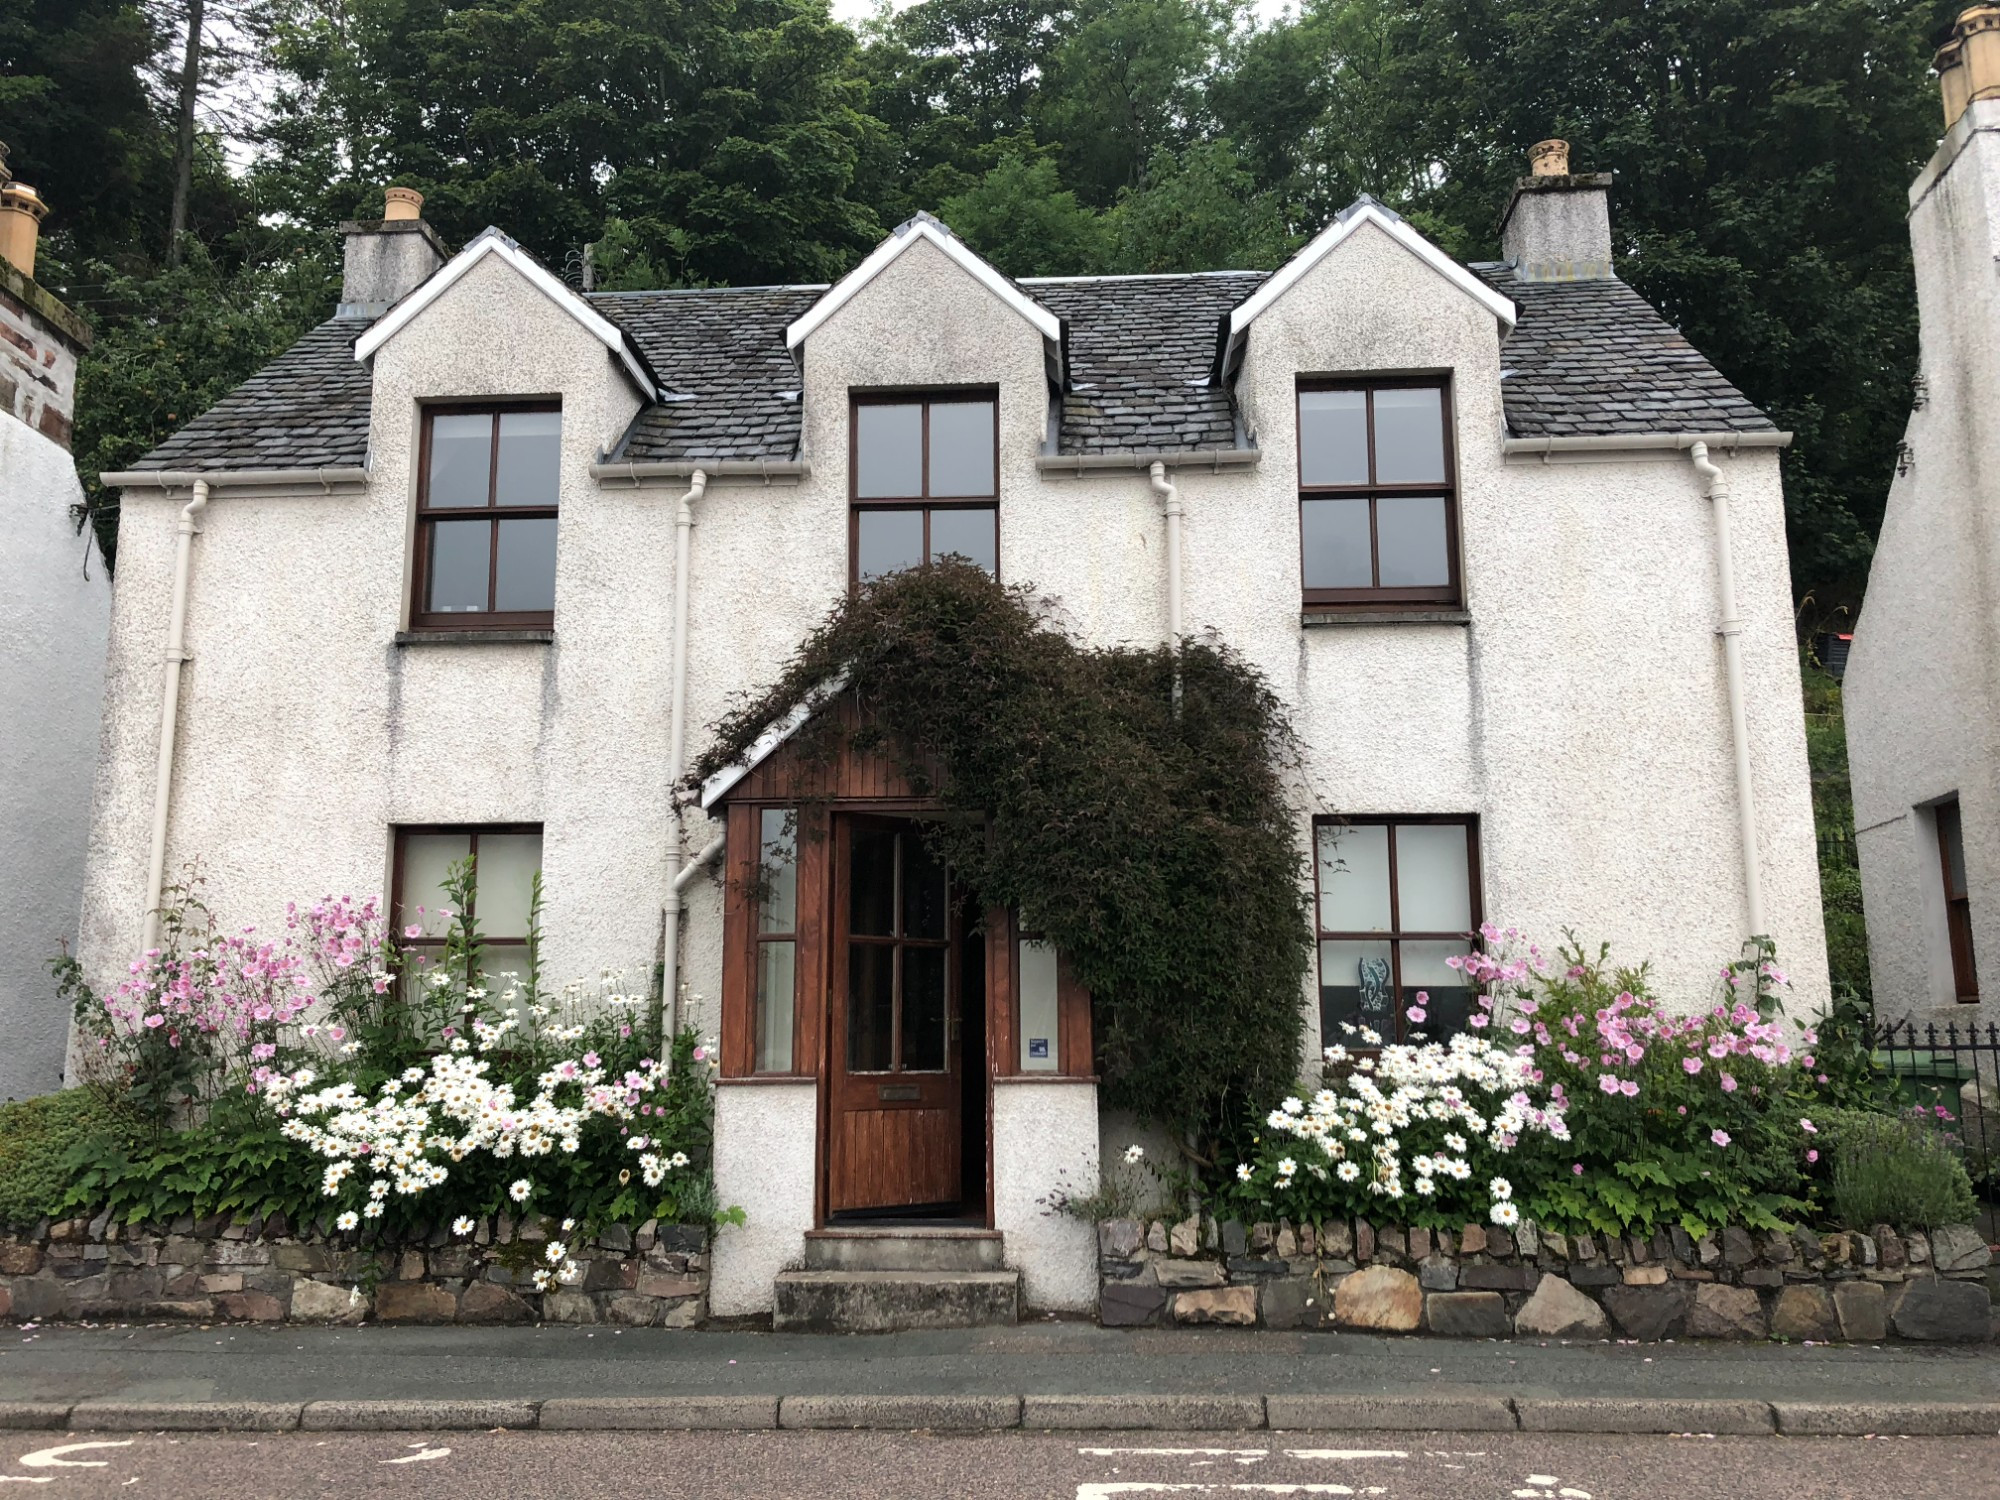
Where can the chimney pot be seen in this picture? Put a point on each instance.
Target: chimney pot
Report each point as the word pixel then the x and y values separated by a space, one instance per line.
pixel 21 215
pixel 1549 159
pixel 1968 65
pixel 1557 226
pixel 388 258
pixel 400 203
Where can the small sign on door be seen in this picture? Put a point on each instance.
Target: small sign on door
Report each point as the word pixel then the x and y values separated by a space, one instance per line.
pixel 1038 1046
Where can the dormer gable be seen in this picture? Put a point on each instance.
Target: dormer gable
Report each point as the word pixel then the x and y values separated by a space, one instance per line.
pixel 491 244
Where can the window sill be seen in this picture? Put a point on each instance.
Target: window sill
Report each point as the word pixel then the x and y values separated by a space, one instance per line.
pixel 474 637
pixel 1315 616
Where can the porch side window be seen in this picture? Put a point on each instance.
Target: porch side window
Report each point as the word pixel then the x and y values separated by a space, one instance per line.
pixel 1378 497
pixel 777 937
pixel 486 518
pixel 506 858
pixel 1957 902
pixel 1397 897
pixel 1041 1006
pixel 925 482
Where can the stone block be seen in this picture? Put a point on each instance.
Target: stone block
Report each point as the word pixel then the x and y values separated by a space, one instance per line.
pixel 631 1309
pixel 1802 1313
pixel 1959 1247
pixel 1286 1245
pixel 1942 1312
pixel 1153 1413
pixel 1917 1247
pixel 1281 1301
pixel 1583 1248
pixel 1764 1276
pixel 1613 1414
pixel 1190 1273
pixel 1738 1249
pixel 250 1307
pixel 1557 1310
pixel 1391 1242
pixel 658 1413
pixel 1653 1275
pixel 459 1261
pixel 569 1307
pixel 1528 1239
pixel 1437 1274
pixel 416 1415
pixel 1890 1253
pixel 1129 1304
pixel 1263 1236
pixel 1364 1240
pixel 1499 1241
pixel 1472 1315
pixel 1490 1278
pixel 20 1260
pixel 1595 1275
pixel 1649 1313
pixel 1235 1306
pixel 1380 1298
pixel 1184 1239
pixel 1120 1239
pixel 1555 1246
pixel 1355 1413
pixel 36 1297
pixel 414 1302
pixel 217 1282
pixel 1861 1250
pixel 669 1286
pixel 1725 1312
pixel 688 1314
pixel 1336 1240
pixel 1235 1239
pixel 1707 1253
pixel 1420 1244
pixel 1156 1237
pixel 1862 1309
pixel 317 1302
pixel 1807 1244
pixel 483 1302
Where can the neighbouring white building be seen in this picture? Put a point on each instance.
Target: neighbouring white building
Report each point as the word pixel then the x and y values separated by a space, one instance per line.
pixel 52 671
pixel 1923 673
pixel 1510 549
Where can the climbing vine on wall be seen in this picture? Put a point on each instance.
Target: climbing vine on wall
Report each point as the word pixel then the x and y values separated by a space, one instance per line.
pixel 1156 848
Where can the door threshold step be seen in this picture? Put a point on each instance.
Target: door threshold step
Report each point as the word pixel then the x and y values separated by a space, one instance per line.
pixel 847 1301
pixel 951 1250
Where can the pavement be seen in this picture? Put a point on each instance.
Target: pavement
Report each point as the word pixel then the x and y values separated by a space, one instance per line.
pixel 1036 1376
pixel 1008 1466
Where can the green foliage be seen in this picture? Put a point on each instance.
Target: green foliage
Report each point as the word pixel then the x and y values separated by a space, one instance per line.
pixel 1021 218
pixel 1153 845
pixel 37 1137
pixel 1895 1169
pixel 1833 825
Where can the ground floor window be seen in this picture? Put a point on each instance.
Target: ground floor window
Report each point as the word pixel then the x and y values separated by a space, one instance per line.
pixel 506 861
pixel 1397 898
pixel 1957 902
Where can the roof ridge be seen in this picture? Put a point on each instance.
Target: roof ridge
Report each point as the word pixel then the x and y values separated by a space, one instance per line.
pixel 700 291
pixel 1136 276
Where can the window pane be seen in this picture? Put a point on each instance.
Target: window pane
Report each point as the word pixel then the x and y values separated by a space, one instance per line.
pixel 962 449
pixel 1040 1009
pixel 1951 838
pixel 1410 532
pixel 427 857
pixel 506 872
pixel 1354 987
pixel 530 454
pixel 888 541
pixel 459 567
pixel 1334 538
pixel 871 991
pixel 1433 878
pixel 972 534
pixel 461 458
pixel 1333 437
pixel 924 896
pixel 924 1009
pixel 888 452
pixel 776 965
pixel 778 871
pixel 526 576
pixel 872 882
pixel 1354 878
pixel 503 966
pixel 1448 998
pixel 1409 436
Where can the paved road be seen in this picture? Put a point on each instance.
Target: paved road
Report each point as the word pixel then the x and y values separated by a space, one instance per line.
pixel 1014 1466
pixel 292 1364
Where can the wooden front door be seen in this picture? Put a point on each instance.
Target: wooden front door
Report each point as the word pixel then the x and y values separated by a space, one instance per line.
pixel 896 1086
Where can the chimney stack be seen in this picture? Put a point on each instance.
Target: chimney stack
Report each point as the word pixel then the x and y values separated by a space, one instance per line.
pixel 1557 226
pixel 388 258
pixel 1968 65
pixel 21 215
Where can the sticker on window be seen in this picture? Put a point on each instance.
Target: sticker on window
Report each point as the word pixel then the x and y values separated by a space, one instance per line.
pixel 1038 1046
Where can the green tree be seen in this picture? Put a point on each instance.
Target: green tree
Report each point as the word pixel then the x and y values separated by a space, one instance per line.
pixel 1020 217
pixel 1199 211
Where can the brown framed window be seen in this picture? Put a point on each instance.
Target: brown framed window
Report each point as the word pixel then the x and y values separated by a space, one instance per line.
pixel 1051 1013
pixel 486 517
pixel 1957 902
pixel 1378 493
pixel 777 939
pixel 1397 897
pixel 506 858
pixel 924 476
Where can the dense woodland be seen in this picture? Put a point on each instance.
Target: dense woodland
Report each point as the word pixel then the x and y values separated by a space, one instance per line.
pixel 198 153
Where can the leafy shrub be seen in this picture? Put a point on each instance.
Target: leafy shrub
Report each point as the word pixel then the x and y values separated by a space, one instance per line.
pixel 36 1139
pixel 1895 1169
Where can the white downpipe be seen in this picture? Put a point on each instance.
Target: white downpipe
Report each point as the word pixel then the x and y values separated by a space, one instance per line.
pixel 1731 631
pixel 170 703
pixel 1170 498
pixel 670 936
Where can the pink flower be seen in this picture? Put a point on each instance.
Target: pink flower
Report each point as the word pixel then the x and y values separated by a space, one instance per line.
pixel 1720 1137
pixel 1629 1089
pixel 1608 1082
pixel 155 1021
pixel 701 1054
pixel 414 930
pixel 1519 1026
pixel 1683 1108
pixel 1808 1127
pixel 1942 1112
pixel 1692 1064
pixel 1415 1013
pixel 590 1059
pixel 1728 1084
pixel 1576 1169
pixel 1812 1156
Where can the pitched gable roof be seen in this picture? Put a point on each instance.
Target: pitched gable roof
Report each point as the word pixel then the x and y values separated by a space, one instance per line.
pixel 491 243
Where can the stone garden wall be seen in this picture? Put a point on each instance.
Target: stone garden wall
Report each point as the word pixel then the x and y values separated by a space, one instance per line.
pixel 1492 1283
pixel 263 1271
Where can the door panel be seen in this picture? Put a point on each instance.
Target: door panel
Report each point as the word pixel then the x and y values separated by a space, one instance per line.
pixel 896 1084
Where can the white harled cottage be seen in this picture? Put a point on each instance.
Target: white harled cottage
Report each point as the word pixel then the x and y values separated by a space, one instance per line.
pixel 1512 551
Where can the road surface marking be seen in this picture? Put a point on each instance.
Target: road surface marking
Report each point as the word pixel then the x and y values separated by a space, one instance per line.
pixel 423 1456
pixel 1345 1453
pixel 1145 1487
pixel 1177 1452
pixel 52 1458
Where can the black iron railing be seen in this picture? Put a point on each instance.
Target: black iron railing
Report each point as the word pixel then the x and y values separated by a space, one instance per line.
pixel 1952 1073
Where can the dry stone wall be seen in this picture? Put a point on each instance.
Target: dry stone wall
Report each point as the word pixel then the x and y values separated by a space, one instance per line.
pixel 264 1271
pixel 1488 1282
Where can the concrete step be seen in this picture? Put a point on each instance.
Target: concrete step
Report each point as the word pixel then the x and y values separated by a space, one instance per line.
pixel 903 1249
pixel 885 1301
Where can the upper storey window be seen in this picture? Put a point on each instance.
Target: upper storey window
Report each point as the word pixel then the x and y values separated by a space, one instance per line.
pixel 925 480
pixel 486 518
pixel 1378 498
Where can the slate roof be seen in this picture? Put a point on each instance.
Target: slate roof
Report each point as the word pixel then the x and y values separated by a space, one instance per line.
pixel 1593 358
pixel 721 354
pixel 1586 358
pixel 306 409
pixel 1140 352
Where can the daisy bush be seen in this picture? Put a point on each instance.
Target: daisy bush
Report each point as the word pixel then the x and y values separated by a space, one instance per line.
pixel 1422 1133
